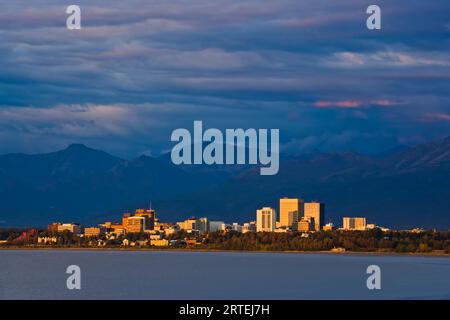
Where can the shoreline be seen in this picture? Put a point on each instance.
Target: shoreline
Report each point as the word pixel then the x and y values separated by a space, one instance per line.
pixel 367 253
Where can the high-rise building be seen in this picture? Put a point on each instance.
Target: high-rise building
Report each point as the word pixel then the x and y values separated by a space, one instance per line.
pixel 265 219
pixel 135 224
pixel 315 210
pixel 203 224
pixel 290 212
pixel 354 223
pixel 149 215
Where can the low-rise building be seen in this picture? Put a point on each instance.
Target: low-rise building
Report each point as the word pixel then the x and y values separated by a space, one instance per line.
pixel 192 242
pixel 189 224
pixel 328 227
pixel 93 231
pixel 216 226
pixel 142 243
pixel 159 242
pixel 114 228
pixel 75 228
pixel 162 225
pixel 306 224
pixel 53 227
pixel 249 227
pixel 236 227
pixel 171 230
pixel 47 240
pixel 357 223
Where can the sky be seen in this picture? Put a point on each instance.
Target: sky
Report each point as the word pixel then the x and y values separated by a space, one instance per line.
pixel 139 69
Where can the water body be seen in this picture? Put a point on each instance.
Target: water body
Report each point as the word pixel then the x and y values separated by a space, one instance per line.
pixel 219 275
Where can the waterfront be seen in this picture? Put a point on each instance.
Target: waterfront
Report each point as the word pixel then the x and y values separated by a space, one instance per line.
pixel 40 274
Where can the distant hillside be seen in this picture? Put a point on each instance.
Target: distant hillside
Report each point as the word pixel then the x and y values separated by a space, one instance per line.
pixel 407 188
pixel 83 184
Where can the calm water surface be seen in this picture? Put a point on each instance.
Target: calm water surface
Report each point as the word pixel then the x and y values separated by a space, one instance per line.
pixel 219 275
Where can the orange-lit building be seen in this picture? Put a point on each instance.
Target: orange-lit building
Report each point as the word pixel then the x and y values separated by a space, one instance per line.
pixel 291 210
pixel 125 217
pixel 306 224
pixel 53 228
pixel 149 216
pixel 315 210
pixel 117 228
pixel 356 223
pixel 328 227
pixel 93 231
pixel 135 224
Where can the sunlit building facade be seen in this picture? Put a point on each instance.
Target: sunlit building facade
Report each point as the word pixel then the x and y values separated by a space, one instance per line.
pixel 356 223
pixel 265 219
pixel 290 212
pixel 316 211
pixel 149 215
pixel 135 224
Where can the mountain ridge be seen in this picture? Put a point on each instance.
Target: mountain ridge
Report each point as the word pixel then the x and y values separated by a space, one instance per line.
pixel 403 189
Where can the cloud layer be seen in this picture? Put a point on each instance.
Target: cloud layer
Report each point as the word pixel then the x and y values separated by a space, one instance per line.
pixel 139 69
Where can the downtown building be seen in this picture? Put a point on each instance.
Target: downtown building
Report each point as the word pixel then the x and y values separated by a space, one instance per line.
pixel 354 223
pixel 266 219
pixel 314 212
pixel 201 225
pixel 291 210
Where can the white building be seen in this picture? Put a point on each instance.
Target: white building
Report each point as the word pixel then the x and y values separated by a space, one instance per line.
pixel 71 227
pixel 266 219
pixel 249 227
pixel 216 225
pixel 236 227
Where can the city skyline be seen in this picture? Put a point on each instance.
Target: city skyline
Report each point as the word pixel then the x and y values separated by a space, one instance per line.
pixel 266 220
pixel 89 183
pixel 223 153
pixel 361 113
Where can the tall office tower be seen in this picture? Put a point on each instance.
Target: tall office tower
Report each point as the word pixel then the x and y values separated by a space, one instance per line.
pixel 291 210
pixel 265 219
pixel 149 216
pixel 354 223
pixel 315 210
pixel 203 224
pixel 135 224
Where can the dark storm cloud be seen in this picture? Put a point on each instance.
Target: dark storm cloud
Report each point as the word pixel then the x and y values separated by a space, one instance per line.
pixel 139 69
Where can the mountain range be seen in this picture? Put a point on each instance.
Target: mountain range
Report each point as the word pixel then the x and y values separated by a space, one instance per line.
pixel 402 189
